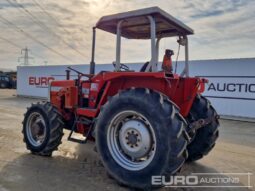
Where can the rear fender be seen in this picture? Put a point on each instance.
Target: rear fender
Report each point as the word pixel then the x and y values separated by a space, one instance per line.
pixel 202 83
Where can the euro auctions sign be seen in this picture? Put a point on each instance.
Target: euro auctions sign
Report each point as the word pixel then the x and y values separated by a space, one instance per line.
pixel 231 87
pixel 33 81
pixel 232 95
pixel 205 180
pixel 39 82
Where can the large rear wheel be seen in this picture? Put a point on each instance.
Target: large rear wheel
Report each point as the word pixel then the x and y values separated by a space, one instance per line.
pixel 42 129
pixel 205 138
pixel 140 134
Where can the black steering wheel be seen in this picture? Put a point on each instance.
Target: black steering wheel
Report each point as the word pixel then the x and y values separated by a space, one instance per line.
pixel 122 66
pixel 145 66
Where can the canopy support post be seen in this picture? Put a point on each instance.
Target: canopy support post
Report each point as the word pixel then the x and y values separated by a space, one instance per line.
pixel 157 49
pixel 185 72
pixel 118 46
pixel 153 61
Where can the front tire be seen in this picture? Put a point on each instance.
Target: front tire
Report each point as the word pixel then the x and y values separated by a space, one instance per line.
pixel 205 138
pixel 42 129
pixel 140 134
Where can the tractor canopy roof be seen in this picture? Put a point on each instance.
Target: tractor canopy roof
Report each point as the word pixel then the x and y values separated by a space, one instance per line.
pixel 136 24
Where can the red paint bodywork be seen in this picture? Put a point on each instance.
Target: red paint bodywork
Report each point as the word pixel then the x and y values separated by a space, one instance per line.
pixel 86 97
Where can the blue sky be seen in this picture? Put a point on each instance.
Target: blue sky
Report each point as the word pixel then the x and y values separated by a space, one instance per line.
pixel 223 29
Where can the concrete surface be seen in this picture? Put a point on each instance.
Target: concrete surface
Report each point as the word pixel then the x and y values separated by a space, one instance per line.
pixel 76 167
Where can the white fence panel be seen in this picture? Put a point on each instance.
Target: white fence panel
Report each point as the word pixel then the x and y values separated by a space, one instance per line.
pixel 231 87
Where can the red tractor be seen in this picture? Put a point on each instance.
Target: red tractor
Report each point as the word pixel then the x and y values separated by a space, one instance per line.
pixel 145 123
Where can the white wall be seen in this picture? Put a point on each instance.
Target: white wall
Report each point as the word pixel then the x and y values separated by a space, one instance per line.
pixel 231 87
pixel 30 79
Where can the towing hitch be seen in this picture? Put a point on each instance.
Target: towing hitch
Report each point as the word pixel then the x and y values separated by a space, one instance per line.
pixel 194 126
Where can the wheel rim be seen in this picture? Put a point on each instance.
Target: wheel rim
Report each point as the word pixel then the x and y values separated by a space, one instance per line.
pixel 131 140
pixel 36 129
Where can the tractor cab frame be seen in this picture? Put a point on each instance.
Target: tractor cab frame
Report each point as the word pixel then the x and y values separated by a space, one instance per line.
pixel 151 23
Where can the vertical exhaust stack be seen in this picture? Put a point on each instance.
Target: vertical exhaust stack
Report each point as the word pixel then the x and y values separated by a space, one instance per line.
pixel 67 74
pixel 92 63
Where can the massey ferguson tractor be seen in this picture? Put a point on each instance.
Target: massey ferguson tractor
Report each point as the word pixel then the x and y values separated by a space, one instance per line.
pixel 144 123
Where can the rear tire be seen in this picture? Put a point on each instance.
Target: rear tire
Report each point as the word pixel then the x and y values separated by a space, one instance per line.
pixel 160 117
pixel 42 129
pixel 205 137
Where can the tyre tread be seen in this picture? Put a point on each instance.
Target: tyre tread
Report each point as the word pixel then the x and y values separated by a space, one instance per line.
pixel 178 154
pixel 206 137
pixel 56 129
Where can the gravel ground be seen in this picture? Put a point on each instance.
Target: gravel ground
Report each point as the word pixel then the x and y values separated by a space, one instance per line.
pixel 77 167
